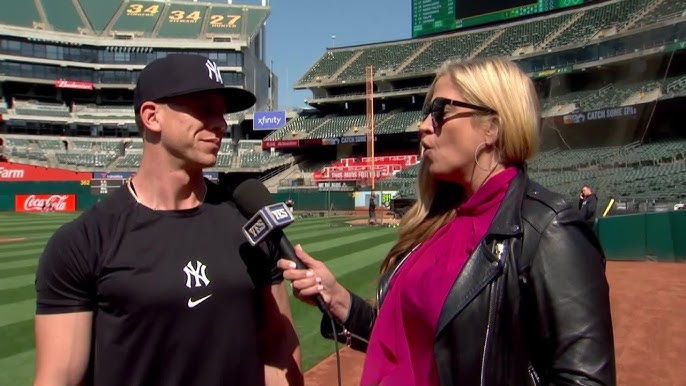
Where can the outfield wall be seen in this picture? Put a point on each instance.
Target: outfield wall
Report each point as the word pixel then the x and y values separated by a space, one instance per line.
pixel 657 236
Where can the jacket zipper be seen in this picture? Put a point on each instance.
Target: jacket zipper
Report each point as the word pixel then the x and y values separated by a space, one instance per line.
pixel 491 306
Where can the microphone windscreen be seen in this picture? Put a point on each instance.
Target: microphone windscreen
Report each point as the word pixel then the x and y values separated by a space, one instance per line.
pixel 250 196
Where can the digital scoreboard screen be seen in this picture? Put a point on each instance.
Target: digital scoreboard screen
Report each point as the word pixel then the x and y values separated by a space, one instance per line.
pixel 435 16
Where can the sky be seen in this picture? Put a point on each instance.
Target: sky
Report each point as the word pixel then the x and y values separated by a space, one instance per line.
pixel 300 31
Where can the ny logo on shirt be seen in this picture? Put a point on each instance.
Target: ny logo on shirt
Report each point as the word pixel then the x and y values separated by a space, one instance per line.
pixel 213 71
pixel 198 273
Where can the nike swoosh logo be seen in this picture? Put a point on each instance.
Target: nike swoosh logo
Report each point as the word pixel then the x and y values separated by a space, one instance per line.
pixel 192 303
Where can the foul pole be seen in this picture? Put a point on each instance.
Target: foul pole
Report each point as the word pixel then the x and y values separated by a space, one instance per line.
pixel 370 122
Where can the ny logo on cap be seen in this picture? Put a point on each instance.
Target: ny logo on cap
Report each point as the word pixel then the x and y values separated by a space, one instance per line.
pixel 213 72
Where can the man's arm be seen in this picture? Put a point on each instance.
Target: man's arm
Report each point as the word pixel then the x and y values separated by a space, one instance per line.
pixel 63 344
pixel 279 343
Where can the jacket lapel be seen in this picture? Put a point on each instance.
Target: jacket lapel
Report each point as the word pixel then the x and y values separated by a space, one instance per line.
pixel 479 270
pixel 483 266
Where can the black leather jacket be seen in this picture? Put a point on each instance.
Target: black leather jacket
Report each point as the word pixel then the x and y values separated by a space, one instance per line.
pixel 531 305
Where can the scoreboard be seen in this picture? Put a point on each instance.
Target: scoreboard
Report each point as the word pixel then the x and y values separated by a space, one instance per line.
pixel 435 16
pixel 101 186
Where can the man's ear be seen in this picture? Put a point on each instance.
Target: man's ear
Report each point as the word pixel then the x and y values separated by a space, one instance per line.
pixel 149 114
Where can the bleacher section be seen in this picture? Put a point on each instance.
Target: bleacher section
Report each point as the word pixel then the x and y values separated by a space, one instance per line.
pixel 442 49
pixel 125 154
pixel 40 109
pixel 524 36
pixel 572 27
pixel 383 58
pixel 103 112
pixel 648 171
pixel 142 18
pixel 663 11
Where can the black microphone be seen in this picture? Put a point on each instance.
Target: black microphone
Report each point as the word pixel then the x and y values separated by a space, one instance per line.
pixel 267 221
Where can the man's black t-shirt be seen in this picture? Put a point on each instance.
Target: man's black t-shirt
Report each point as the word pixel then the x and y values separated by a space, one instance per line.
pixel 175 295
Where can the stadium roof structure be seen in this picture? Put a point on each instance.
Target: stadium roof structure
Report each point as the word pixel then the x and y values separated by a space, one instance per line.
pixel 130 22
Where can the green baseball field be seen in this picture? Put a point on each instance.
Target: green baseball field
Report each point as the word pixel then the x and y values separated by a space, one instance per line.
pixel 352 253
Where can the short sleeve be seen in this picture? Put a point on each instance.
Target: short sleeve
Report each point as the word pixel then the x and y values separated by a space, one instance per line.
pixel 65 275
pixel 261 263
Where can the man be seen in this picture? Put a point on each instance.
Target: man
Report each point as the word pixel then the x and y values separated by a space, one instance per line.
pixel 372 208
pixel 156 284
pixel 588 203
pixel 290 203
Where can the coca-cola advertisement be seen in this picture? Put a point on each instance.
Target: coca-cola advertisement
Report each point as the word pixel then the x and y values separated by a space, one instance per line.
pixel 45 203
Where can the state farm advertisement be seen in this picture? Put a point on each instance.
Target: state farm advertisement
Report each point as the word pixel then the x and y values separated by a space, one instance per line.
pixel 11 171
pixel 45 203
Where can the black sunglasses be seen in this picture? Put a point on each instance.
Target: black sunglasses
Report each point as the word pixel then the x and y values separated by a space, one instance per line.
pixel 437 110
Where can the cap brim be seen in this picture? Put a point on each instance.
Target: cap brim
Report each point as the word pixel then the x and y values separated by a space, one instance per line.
pixel 237 99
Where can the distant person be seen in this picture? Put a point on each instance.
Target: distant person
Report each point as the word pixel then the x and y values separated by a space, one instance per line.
pixel 588 204
pixel 372 208
pixel 494 279
pixel 290 204
pixel 156 284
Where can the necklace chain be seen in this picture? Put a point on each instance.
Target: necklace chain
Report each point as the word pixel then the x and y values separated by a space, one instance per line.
pixel 129 185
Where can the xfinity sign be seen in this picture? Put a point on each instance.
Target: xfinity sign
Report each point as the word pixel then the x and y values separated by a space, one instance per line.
pixel 268 120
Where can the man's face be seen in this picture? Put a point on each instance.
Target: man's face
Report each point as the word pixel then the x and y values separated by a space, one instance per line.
pixel 192 127
pixel 586 191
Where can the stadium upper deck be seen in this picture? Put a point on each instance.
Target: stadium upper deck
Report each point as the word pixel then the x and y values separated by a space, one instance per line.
pixel 93 20
pixel 582 35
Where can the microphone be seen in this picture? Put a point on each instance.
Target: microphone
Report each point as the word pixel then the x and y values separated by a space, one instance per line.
pixel 267 221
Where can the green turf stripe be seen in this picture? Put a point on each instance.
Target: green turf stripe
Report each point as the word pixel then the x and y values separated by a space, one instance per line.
pixel 20 229
pixel 16 338
pixel 17 312
pixel 18 294
pixel 328 234
pixel 314 346
pixel 333 248
pixel 28 235
pixel 18 369
pixel 344 239
pixel 23 244
pixel 16 272
pixel 34 222
pixel 8 256
pixel 17 281
pixel 18 264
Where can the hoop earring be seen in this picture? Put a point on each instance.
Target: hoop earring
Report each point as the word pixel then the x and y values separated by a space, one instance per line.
pixel 476 156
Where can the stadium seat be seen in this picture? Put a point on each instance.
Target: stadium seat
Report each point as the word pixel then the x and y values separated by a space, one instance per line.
pixel 327 65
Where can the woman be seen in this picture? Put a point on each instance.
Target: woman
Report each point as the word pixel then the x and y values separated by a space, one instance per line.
pixel 494 280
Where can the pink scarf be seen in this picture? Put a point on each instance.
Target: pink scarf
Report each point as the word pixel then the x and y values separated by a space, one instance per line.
pixel 400 351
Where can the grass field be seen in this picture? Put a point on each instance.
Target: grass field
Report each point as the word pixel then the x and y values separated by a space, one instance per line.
pixel 352 253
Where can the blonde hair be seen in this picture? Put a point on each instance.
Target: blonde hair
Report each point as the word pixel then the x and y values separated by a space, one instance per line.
pixel 498 84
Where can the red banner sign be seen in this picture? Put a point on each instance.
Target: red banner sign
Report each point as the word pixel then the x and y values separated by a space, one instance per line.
pixel 10 171
pixel 281 144
pixel 73 84
pixel 45 203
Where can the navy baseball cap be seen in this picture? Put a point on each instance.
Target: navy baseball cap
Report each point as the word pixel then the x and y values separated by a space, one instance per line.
pixel 183 74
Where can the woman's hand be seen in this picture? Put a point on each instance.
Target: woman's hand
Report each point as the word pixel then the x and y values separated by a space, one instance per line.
pixel 317 279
